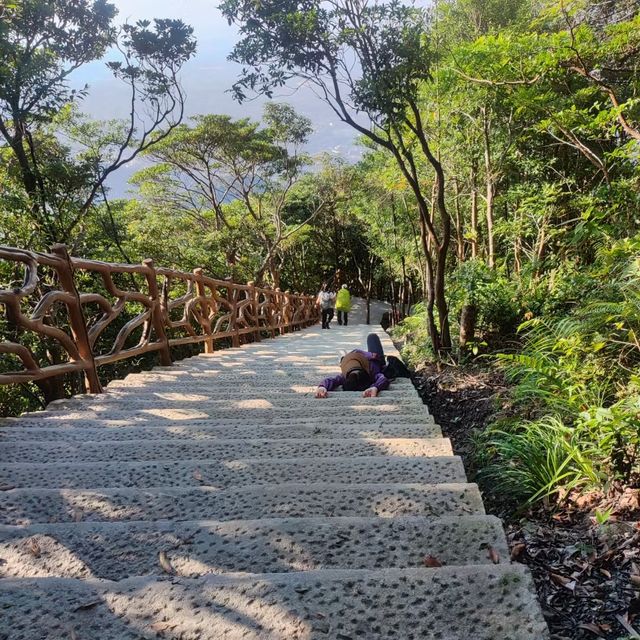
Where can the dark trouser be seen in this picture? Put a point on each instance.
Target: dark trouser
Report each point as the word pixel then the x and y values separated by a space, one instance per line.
pixel 343 317
pixel 374 345
pixel 327 316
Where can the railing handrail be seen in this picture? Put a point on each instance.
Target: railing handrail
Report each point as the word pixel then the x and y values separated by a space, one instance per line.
pixel 210 309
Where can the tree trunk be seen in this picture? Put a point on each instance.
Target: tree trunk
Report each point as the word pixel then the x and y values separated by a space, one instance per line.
pixel 459 228
pixel 468 317
pixel 474 209
pixel 490 188
pixel 429 290
pixel 403 305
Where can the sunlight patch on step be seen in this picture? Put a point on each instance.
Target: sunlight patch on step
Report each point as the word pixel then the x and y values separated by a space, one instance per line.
pixel 182 397
pixel 253 403
pixel 176 414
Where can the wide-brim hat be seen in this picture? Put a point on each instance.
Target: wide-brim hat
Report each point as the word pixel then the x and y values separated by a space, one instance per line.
pixel 352 361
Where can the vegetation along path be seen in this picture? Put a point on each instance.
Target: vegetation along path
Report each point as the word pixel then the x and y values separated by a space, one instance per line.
pixel 219 499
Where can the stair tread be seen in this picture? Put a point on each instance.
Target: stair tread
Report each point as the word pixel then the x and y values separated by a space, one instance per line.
pixel 120 550
pixel 452 603
pixel 26 506
pixel 222 474
pixel 223 449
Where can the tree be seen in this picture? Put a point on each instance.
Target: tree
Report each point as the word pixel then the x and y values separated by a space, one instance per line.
pixel 205 166
pixel 363 59
pixel 42 42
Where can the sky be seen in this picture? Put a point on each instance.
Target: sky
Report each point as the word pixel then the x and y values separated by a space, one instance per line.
pixel 206 78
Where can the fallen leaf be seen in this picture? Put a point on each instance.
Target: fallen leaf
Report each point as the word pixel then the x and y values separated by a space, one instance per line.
pixel 634 608
pixel 88 605
pixel 162 626
pixel 627 625
pixel 6 487
pixel 197 475
pixel 518 550
pixel 77 515
pixel 431 561
pixel 73 635
pixel 559 580
pixel 594 628
pixel 165 564
pixel 493 555
pixel 34 548
pixel 634 580
pixel 606 574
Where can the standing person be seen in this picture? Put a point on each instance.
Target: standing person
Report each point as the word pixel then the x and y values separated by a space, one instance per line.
pixel 326 300
pixel 359 371
pixel 343 305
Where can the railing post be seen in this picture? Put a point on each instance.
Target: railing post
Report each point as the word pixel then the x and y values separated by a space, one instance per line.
pixel 77 320
pixel 232 296
pixel 288 312
pixel 280 307
pixel 255 309
pixel 157 318
pixel 272 310
pixel 202 293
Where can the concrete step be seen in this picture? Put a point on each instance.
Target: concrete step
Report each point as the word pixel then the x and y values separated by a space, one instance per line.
pixel 253 411
pixel 216 431
pixel 225 383
pixel 114 551
pixel 246 402
pixel 232 449
pixel 217 379
pixel 183 418
pixel 223 474
pixel 450 603
pixel 28 506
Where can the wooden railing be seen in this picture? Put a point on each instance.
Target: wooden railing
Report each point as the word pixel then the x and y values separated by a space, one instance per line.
pixel 53 326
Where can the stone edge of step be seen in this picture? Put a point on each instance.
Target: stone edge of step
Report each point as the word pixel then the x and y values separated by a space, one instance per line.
pixel 266 488
pixel 168 526
pixel 295 577
pixel 133 464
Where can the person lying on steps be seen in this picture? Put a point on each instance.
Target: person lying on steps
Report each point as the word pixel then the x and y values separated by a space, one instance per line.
pixel 359 371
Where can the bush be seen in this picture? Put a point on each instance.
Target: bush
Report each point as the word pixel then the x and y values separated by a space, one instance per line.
pixel 413 331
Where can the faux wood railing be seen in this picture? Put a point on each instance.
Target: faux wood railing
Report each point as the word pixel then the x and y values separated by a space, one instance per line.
pixel 72 330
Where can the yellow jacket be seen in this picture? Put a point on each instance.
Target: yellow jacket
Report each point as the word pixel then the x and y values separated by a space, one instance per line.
pixel 343 300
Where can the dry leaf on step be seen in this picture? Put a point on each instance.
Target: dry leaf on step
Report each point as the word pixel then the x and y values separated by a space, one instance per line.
pixel 493 555
pixel 165 564
pixel 88 605
pixel 34 548
pixel 159 627
pixel 431 561
pixel 197 475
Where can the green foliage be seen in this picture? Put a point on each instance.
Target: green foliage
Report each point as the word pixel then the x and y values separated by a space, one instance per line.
pixel 60 162
pixel 533 460
pixel 413 332
pixel 579 373
pixel 495 295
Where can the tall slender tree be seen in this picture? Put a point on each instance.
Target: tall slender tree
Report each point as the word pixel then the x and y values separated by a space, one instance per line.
pixel 367 60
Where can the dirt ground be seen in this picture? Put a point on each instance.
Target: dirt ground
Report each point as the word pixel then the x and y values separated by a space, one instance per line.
pixel 587 573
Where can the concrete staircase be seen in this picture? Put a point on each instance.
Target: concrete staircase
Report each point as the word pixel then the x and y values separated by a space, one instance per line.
pixel 218 499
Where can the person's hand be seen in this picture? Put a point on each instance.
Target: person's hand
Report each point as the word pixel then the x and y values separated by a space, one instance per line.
pixel 321 392
pixel 371 392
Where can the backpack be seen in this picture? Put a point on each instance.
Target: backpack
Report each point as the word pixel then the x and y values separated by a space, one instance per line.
pixel 395 368
pixel 325 299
